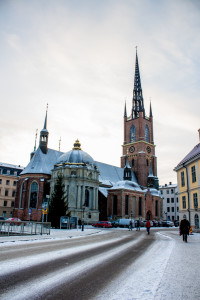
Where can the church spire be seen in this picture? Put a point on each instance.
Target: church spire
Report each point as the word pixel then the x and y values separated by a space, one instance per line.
pixel 44 135
pixel 150 111
pixel 125 114
pixel 138 105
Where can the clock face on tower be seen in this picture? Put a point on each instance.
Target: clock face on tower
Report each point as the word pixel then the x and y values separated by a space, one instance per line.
pixel 148 149
pixel 131 149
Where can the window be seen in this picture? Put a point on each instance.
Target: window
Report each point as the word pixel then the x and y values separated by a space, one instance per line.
pixel 87 197
pixel 177 209
pixel 0 181
pixel 14 183
pixel 33 195
pixel 195 200
pixel 13 193
pixel 172 191
pixel 146 133
pixel 132 134
pixel 168 209
pixel 12 204
pixel 5 203
pixel 140 206
pixel 133 163
pixel 126 205
pixel 161 192
pixel 21 195
pixel 168 200
pixel 6 192
pixel 115 205
pixel 172 200
pixel 167 191
pixel 182 179
pixel 147 162
pixel 177 200
pixel 156 208
pixel 7 182
pixel 184 202
pixel 193 170
pixel 172 209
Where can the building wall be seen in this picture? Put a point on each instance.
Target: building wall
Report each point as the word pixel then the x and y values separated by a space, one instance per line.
pixel 22 208
pixel 147 205
pixel 171 205
pixel 188 190
pixel 9 175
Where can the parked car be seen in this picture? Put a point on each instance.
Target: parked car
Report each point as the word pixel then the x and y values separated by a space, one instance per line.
pixel 124 223
pixel 167 224
pixel 176 223
pixel 14 221
pixel 155 223
pixel 103 224
pixel 2 218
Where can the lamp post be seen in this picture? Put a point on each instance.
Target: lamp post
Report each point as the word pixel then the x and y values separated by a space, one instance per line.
pixel 83 209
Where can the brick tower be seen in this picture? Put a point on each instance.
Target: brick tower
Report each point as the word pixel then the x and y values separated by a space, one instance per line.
pixel 138 146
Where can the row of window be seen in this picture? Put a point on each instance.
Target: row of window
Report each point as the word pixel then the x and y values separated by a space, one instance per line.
pixel 8 182
pixel 8 172
pixel 193 174
pixel 6 193
pixel 133 134
pixel 172 209
pixel 5 203
pixel 195 201
pixel 172 191
pixel 115 203
pixel 172 200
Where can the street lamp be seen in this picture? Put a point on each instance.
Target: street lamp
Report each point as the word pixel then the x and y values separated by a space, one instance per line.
pixel 83 208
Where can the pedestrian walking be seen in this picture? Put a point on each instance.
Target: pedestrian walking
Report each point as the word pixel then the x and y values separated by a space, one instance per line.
pixel 79 223
pixel 184 228
pixel 148 226
pixel 138 225
pixel 130 225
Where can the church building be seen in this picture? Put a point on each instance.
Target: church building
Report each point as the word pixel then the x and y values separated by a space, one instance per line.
pixel 104 191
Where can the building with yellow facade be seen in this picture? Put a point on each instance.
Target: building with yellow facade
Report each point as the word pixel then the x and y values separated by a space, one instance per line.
pixel 188 181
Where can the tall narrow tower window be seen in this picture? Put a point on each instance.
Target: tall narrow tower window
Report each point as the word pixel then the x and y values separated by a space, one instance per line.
pixel 147 133
pixel 132 134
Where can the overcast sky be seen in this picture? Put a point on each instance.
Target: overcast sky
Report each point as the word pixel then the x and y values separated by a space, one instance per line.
pixel 79 57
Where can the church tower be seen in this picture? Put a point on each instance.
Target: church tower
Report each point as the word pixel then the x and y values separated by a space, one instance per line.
pixel 44 136
pixel 138 145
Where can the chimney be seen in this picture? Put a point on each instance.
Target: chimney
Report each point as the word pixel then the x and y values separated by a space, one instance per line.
pixel 199 135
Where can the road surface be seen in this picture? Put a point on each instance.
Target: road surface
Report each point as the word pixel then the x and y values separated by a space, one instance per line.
pixel 116 264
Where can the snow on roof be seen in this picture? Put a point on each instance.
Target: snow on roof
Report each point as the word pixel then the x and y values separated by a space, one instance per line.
pixel 42 163
pixel 18 167
pixel 128 185
pixel 191 155
pixel 109 174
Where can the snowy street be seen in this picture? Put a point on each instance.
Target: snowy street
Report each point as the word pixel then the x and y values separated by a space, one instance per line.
pixel 101 264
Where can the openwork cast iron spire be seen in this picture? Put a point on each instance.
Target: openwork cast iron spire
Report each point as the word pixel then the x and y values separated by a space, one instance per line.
pixel 138 105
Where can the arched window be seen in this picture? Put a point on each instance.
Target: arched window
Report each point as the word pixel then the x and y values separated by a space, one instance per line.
pixel 147 133
pixel 21 196
pixel 33 195
pixel 132 134
pixel 156 208
pixel 133 163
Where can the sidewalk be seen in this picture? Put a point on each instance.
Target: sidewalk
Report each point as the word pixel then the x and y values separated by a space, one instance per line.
pixel 55 234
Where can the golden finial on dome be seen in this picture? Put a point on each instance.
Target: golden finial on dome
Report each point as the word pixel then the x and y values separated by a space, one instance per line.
pixel 77 145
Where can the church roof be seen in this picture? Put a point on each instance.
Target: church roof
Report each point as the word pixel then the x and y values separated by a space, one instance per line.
pixel 128 185
pixel 193 154
pixel 42 163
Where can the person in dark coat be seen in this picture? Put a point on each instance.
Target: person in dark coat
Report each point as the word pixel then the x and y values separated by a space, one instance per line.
pixel 184 228
pixel 79 223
